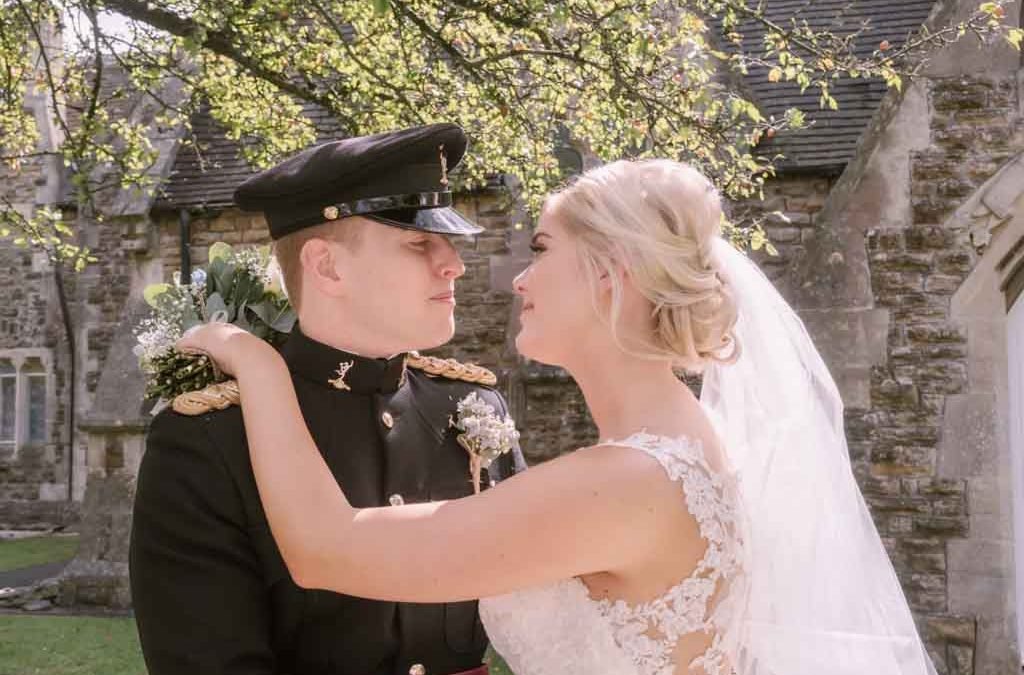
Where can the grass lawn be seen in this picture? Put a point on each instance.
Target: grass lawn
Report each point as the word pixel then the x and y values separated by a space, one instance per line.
pixel 69 645
pixel 18 553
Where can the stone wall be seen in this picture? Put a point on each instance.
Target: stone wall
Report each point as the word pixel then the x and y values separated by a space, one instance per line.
pixel 873 273
pixel 34 476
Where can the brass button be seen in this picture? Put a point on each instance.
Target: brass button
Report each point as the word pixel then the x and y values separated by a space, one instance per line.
pixel 417 669
pixel 387 419
pixel 396 500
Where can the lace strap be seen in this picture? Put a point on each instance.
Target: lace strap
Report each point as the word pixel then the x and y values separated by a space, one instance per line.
pixel 676 455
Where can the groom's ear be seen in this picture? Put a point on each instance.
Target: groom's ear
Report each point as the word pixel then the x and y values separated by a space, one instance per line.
pixel 320 266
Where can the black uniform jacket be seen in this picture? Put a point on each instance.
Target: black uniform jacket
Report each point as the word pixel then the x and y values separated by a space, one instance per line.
pixel 211 592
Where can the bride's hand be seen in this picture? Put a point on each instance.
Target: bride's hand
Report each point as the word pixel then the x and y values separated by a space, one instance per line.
pixel 226 344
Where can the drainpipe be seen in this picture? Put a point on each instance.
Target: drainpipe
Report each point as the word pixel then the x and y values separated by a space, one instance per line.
pixel 184 236
pixel 72 383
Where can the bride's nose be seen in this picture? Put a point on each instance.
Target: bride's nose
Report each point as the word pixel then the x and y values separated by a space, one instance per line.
pixel 519 283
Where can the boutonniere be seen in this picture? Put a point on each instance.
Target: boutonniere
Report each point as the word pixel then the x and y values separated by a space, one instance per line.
pixel 484 435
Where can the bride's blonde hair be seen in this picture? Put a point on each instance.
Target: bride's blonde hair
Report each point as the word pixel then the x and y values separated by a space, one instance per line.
pixel 659 220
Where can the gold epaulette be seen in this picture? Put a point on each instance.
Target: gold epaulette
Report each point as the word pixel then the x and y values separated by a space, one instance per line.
pixel 214 397
pixel 452 369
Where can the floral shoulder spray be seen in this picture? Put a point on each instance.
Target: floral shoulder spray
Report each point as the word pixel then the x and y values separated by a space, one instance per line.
pixel 485 436
pixel 239 286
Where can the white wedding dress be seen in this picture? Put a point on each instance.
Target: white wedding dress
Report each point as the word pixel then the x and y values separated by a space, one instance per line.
pixel 560 630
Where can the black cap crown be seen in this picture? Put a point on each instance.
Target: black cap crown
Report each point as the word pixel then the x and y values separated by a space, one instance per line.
pixel 398 177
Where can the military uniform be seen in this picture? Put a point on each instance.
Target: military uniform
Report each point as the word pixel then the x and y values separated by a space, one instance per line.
pixel 211 592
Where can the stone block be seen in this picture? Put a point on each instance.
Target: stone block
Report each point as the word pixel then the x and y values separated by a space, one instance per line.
pixel 896 283
pixel 961 660
pixel 901 461
pixel 955 630
pixel 928 238
pixel 937 333
pixel 941 526
pixel 944 284
pixel 969 444
pixel 960 95
pixel 902 262
pixel 981 557
pixel 937 378
pixel 885 240
pixel 986 367
pixel 973 594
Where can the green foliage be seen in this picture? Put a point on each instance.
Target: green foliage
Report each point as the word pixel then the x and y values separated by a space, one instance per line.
pixel 639 78
pixel 236 288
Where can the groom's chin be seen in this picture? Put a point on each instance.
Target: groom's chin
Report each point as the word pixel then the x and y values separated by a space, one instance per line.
pixel 436 338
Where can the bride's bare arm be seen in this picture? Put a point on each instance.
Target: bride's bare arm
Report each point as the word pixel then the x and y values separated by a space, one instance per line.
pixel 596 510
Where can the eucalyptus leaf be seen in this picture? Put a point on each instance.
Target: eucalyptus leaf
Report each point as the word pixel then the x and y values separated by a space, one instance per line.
pixel 215 303
pixel 265 311
pixel 242 322
pixel 285 321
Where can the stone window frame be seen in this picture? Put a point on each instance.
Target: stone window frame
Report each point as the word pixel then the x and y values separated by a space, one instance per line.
pixel 23 361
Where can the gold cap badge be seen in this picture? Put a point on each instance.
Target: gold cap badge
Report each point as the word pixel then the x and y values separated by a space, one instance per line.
pixel 444 165
pixel 331 212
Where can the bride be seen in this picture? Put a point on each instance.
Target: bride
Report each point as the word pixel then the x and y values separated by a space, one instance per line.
pixel 714 536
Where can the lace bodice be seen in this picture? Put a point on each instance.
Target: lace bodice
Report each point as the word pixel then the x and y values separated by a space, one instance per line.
pixel 560 629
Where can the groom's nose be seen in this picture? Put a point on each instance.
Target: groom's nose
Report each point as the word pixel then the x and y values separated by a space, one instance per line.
pixel 450 265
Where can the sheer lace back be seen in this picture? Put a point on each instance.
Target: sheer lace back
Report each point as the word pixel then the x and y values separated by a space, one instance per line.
pixel 649 632
pixel 559 629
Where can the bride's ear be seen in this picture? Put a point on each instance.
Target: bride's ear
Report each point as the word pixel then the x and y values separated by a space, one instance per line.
pixel 613 272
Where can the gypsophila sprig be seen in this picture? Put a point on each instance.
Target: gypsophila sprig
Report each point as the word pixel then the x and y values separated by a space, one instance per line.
pixel 238 287
pixel 485 436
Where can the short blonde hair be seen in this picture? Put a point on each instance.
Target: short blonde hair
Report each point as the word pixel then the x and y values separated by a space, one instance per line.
pixel 659 219
pixel 288 250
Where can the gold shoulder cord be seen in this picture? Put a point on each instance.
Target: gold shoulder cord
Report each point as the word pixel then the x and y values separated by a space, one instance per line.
pixel 214 397
pixel 452 369
pixel 225 394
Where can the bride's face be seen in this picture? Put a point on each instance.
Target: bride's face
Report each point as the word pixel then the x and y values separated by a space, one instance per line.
pixel 558 309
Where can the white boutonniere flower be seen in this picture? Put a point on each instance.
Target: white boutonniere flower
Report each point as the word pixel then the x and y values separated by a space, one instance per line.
pixel 484 435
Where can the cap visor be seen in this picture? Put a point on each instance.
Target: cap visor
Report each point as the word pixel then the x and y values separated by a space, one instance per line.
pixel 445 220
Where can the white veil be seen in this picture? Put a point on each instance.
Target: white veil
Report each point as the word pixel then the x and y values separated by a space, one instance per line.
pixel 821 595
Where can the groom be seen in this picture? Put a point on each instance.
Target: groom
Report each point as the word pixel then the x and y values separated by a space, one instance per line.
pixel 361 232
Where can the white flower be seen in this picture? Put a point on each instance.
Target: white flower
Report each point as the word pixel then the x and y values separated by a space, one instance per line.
pixel 484 435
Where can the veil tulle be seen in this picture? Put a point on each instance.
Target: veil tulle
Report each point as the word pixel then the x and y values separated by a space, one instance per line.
pixel 820 594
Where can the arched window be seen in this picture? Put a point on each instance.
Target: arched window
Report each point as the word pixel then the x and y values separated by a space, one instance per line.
pixel 24 397
pixel 8 401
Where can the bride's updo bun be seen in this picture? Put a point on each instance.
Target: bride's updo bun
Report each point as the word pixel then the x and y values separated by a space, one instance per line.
pixel 660 219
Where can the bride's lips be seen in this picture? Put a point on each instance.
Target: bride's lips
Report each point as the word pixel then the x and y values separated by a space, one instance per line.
pixel 447 296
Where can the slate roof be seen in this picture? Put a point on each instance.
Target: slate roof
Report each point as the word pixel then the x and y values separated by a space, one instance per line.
pixel 208 175
pixel 826 147
pixel 830 143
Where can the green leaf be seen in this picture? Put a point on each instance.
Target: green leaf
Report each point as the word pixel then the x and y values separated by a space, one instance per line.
pixel 214 304
pixel 1015 36
pixel 285 321
pixel 381 7
pixel 219 251
pixel 264 310
pixel 154 291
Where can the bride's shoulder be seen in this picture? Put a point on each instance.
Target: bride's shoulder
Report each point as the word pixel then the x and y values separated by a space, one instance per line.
pixel 633 466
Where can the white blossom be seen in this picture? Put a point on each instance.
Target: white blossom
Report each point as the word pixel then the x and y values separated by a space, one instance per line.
pixel 483 430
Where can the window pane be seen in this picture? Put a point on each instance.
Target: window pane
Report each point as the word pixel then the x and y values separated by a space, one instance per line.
pixel 7 401
pixel 37 408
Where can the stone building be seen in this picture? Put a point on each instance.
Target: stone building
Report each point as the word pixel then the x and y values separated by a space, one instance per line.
pixel 900 228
